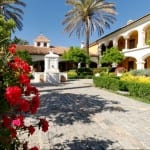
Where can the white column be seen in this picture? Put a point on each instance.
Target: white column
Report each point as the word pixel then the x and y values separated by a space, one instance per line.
pixel 46 64
pixel 115 43
pixel 140 64
pixel 140 38
pixel 126 42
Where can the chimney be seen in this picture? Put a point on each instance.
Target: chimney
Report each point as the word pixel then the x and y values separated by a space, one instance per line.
pixel 82 44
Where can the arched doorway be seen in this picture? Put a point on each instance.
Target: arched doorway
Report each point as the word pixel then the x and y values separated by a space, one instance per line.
pixel 121 43
pixel 133 40
pixel 147 63
pixel 129 63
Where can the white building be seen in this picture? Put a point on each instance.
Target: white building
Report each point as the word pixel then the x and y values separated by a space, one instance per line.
pixel 39 49
pixel 131 40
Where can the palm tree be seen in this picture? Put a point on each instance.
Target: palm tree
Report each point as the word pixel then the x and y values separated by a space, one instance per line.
pixel 11 9
pixel 87 16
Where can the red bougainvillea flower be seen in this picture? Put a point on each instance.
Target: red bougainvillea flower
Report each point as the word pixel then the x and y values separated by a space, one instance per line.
pixel 18 64
pixel 35 103
pixel 6 121
pixel 13 94
pixel 18 122
pixel 44 124
pixel 13 132
pixel 24 105
pixel 12 48
pixel 31 90
pixel 31 129
pixel 34 148
pixel 24 79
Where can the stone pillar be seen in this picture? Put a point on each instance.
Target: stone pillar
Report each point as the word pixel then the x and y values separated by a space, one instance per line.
pixel 115 43
pixel 46 64
pixel 140 64
pixel 126 42
pixel 140 38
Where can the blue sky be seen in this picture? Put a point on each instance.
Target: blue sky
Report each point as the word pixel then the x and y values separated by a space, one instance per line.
pixel 46 17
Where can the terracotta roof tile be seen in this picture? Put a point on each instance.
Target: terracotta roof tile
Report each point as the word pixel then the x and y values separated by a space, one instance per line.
pixel 42 50
pixel 41 38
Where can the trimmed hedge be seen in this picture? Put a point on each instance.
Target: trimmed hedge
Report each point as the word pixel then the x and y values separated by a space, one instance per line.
pixel 107 82
pixel 136 89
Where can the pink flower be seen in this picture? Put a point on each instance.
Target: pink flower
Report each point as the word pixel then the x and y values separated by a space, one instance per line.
pixel 16 122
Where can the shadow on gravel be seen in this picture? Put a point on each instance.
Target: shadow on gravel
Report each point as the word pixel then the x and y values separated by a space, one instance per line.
pixel 87 144
pixel 66 108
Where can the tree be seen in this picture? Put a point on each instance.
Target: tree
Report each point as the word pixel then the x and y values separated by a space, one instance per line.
pixel 77 55
pixel 112 55
pixel 11 9
pixel 19 41
pixel 5 31
pixel 24 55
pixel 87 16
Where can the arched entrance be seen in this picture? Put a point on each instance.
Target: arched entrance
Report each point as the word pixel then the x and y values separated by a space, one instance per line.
pixel 147 63
pixel 129 63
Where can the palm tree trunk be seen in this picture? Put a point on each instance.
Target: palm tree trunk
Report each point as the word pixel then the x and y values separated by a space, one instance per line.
pixel 87 40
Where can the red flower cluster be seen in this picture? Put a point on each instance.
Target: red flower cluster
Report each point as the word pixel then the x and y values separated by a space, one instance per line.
pixel 21 98
pixel 13 94
pixel 24 79
pixel 44 125
pixel 19 65
pixel 12 48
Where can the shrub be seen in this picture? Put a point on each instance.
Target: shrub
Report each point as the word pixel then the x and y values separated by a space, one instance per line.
pixel 72 74
pixel 84 71
pixel 142 72
pixel 101 69
pixel 106 82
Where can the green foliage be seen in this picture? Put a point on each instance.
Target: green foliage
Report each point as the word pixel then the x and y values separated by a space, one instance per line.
pixel 84 71
pixel 19 41
pixel 11 9
pixel 76 55
pixel 112 55
pixel 72 74
pixel 5 30
pixel 135 89
pixel 24 55
pixel 101 69
pixel 107 82
pixel 142 72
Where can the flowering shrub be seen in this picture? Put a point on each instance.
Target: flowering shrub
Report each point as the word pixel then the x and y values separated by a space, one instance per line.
pixel 17 98
pixel 129 77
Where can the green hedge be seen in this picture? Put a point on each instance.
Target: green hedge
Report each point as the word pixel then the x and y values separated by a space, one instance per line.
pixel 107 82
pixel 136 89
pixel 141 90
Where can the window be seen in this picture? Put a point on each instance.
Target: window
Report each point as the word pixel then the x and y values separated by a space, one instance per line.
pixel 147 35
pixel 131 43
pixel 38 43
pixel 45 44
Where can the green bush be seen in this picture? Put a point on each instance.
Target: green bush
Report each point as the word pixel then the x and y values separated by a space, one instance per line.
pixel 84 71
pixel 101 69
pixel 142 72
pixel 136 89
pixel 141 90
pixel 107 82
pixel 72 74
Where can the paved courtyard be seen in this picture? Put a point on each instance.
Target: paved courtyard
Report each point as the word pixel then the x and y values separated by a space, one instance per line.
pixel 82 117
